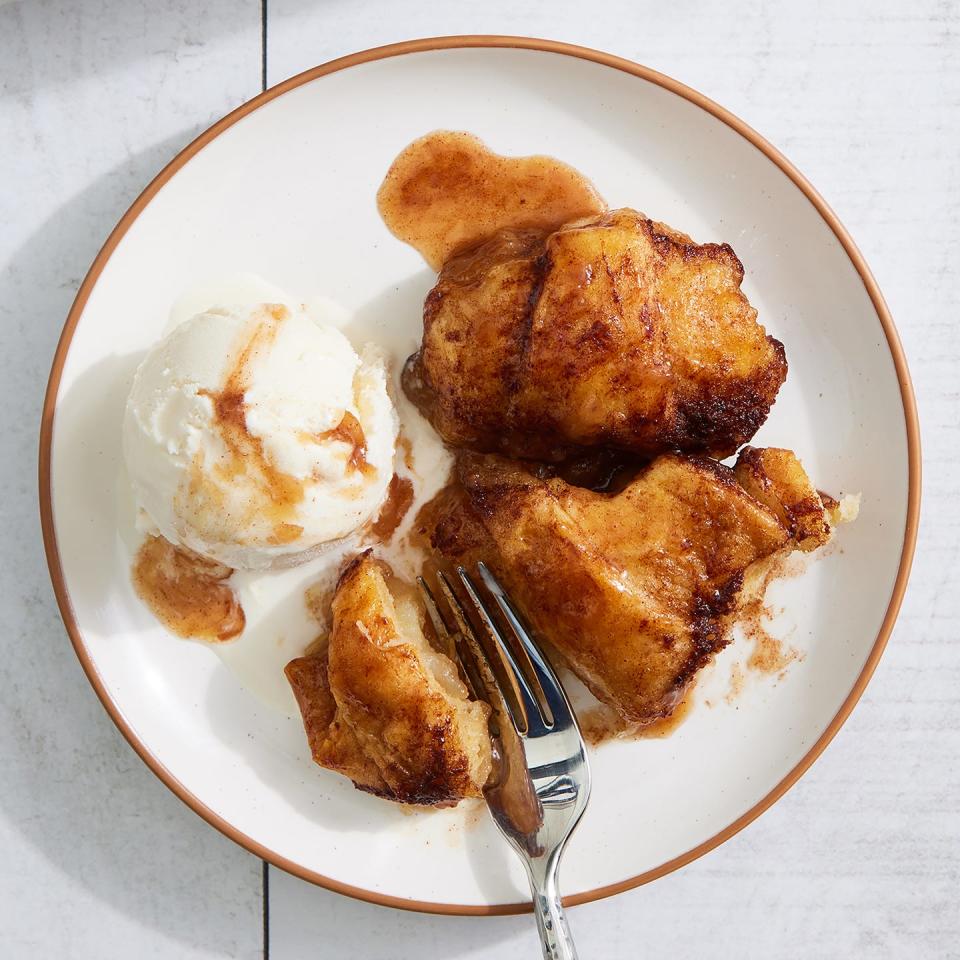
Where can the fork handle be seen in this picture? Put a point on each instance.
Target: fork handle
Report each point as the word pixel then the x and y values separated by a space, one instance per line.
pixel 555 936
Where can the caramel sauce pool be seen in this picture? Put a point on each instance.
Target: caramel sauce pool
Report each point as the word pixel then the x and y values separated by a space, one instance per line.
pixel 447 192
pixel 187 593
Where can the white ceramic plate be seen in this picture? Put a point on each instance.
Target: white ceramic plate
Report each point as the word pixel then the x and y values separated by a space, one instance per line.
pixel 285 187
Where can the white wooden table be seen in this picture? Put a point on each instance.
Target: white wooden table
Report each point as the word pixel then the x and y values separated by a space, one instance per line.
pixel 98 860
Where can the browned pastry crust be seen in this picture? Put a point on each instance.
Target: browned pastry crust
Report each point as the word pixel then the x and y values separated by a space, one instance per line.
pixel 634 590
pixel 776 478
pixel 381 706
pixel 332 741
pixel 610 332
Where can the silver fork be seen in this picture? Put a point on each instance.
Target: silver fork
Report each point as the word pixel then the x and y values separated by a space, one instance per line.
pixel 540 783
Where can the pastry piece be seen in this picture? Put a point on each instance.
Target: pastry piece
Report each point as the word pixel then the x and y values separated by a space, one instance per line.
pixel 635 590
pixel 333 743
pixel 384 708
pixel 611 332
pixel 776 478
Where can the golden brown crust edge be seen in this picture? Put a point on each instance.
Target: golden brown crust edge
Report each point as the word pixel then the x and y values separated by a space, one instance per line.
pixel 373 708
pixel 776 478
pixel 332 743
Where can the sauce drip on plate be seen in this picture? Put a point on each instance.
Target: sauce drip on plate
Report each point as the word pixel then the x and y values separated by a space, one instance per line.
pixel 394 509
pixel 447 192
pixel 187 593
pixel 601 723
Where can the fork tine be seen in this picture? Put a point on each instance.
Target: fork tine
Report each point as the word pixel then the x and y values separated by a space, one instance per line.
pixel 482 680
pixel 477 654
pixel 470 669
pixel 453 603
pixel 554 694
pixel 536 725
pixel 440 626
pixel 450 640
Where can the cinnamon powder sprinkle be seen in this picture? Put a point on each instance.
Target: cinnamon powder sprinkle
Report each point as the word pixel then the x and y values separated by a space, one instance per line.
pixel 770 655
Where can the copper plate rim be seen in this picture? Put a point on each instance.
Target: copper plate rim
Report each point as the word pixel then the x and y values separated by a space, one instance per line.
pixel 447 43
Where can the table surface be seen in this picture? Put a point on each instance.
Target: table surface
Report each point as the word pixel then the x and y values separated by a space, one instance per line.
pixel 861 859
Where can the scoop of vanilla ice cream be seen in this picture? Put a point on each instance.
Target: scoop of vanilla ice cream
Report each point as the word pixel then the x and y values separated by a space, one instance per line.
pixel 254 436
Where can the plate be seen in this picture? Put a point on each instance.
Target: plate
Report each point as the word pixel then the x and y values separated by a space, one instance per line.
pixel 285 187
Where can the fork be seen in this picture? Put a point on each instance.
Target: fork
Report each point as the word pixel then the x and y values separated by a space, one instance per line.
pixel 540 782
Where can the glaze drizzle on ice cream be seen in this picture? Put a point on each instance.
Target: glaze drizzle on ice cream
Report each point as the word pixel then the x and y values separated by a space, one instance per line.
pixel 256 436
